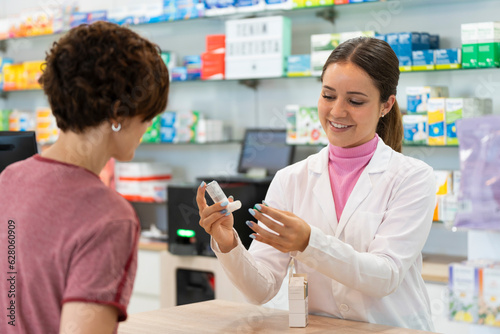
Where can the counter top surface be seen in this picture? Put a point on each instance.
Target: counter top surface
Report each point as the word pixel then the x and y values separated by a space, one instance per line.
pixel 220 316
pixel 158 246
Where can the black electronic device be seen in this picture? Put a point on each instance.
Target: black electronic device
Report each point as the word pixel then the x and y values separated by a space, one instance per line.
pixel 16 146
pixel 186 236
pixel 265 149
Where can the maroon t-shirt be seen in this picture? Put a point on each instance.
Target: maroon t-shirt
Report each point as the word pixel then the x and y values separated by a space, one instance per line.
pixel 65 236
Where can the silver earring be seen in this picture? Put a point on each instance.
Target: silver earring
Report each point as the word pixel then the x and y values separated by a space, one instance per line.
pixel 116 128
pixel 383 115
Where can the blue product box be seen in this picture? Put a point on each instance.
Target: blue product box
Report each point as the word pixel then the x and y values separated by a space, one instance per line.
pixel 448 58
pixel 393 40
pixel 193 73
pixel 246 3
pixel 192 61
pixel 407 43
pixel 210 4
pixel 179 73
pixel 100 15
pixel 423 60
pixel 120 16
pixel 226 3
pixel 415 129
pixel 434 42
pixel 193 67
pixel 168 119
pixel 168 10
pixel 424 41
pixel 167 134
pixel 299 65
pixel 78 18
pixel 3 62
pixel 153 13
pixel 188 9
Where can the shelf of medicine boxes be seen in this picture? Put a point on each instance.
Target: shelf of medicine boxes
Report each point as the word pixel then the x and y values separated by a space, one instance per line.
pixel 404 145
pixel 224 142
pixel 248 81
pixel 235 15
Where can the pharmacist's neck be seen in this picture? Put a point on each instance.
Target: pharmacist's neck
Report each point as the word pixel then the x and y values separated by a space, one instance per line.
pixel 88 150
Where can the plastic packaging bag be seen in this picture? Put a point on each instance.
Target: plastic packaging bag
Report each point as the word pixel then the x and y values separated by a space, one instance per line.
pixel 479 195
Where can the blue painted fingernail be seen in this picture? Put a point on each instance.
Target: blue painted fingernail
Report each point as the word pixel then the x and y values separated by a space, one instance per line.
pixel 231 197
pixel 252 212
pixel 227 214
pixel 223 211
pixel 202 184
pixel 265 203
pixel 249 223
pixel 224 203
pixel 252 236
pixel 258 207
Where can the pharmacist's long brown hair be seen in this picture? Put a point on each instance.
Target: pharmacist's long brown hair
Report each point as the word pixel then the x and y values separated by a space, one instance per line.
pixel 380 62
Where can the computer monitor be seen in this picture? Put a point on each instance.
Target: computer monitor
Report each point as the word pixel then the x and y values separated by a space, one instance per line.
pixel 16 146
pixel 265 149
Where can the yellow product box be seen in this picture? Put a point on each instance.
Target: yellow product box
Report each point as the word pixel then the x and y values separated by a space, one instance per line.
pixel 43 113
pixel 32 72
pixel 444 182
pixel 436 121
pixel 298 3
pixel 12 76
pixel 489 300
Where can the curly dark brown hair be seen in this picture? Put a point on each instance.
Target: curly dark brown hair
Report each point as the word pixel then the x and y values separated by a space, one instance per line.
pixel 102 72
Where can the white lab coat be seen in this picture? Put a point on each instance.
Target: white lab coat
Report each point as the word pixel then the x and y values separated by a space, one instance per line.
pixel 367 267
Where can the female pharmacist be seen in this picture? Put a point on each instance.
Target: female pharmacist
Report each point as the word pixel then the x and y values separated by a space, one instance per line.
pixel 76 239
pixel 354 216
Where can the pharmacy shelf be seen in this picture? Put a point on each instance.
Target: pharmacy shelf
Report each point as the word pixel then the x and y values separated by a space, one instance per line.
pixel 252 82
pixel 425 145
pixel 404 145
pixel 225 142
pixel 236 15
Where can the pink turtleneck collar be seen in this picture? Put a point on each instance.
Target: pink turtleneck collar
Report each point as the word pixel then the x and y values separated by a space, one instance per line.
pixel 345 166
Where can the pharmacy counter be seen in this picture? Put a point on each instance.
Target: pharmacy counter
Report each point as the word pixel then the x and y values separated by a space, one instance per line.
pixel 145 244
pixel 218 316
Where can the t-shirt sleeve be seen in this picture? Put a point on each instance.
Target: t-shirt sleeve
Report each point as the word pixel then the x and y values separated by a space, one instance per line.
pixel 103 266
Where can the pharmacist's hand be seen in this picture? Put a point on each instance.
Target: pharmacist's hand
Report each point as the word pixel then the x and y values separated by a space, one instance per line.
pixel 216 221
pixel 291 235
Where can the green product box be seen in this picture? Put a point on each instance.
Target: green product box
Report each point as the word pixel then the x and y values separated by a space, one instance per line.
pixel 152 134
pixel 4 119
pixel 469 55
pixel 453 112
pixel 194 126
pixel 488 54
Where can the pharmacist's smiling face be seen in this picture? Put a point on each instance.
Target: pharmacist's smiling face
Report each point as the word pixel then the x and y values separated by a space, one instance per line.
pixel 349 105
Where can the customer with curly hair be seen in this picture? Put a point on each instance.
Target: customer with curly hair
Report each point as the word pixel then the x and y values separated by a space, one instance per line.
pixel 76 239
